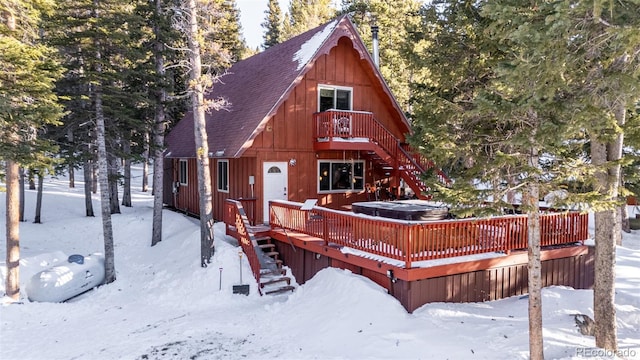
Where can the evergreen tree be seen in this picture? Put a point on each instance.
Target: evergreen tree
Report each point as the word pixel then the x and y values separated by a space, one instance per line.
pixel 221 31
pixel 27 103
pixel 396 21
pixel 515 104
pixel 587 54
pixel 272 25
pixel 306 14
pixel 102 46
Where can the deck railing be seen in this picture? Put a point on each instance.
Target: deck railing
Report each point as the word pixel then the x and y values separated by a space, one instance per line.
pixel 426 240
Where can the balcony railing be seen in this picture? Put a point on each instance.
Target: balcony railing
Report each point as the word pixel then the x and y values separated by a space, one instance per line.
pixel 410 242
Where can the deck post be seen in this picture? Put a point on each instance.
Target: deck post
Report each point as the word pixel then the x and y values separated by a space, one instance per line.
pixel 408 247
pixel 325 229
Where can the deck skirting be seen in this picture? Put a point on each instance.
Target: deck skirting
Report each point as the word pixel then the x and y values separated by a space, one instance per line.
pixel 463 281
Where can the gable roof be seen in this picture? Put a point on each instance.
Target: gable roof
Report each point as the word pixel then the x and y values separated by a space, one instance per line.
pixel 257 86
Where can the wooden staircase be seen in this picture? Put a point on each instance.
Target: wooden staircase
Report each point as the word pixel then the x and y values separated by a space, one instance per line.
pixel 383 148
pixel 260 251
pixel 273 277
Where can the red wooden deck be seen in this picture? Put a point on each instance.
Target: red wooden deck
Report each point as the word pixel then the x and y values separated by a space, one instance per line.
pixel 467 254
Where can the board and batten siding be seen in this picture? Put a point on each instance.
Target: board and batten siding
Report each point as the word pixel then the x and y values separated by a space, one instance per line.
pixel 288 135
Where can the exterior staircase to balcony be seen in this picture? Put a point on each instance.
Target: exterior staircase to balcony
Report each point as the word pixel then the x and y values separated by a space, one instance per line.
pixel 378 143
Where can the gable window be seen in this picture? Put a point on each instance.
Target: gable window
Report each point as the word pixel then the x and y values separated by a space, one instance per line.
pixel 334 97
pixel 339 176
pixel 182 172
pixel 223 175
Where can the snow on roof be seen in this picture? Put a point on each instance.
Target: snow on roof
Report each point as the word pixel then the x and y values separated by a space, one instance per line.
pixel 309 48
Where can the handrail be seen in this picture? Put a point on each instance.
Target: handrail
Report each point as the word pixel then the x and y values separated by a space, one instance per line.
pixel 412 241
pixel 236 217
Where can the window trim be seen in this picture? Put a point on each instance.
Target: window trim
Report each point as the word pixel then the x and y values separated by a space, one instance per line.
pixel 218 175
pixel 334 88
pixel 338 161
pixel 183 174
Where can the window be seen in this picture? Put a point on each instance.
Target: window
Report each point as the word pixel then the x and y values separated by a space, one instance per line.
pixel 340 176
pixel 223 175
pixel 334 97
pixel 182 172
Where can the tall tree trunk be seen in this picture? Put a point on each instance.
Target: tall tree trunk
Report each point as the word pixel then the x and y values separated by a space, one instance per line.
pixel 94 177
pixel 158 132
pixel 21 185
pixel 12 284
pixel 606 226
pixel 88 183
pixel 625 225
pixel 39 198
pixel 101 142
pixel 113 176
pixel 105 199
pixel 536 345
pixel 156 235
pixel 72 175
pixel 608 234
pixel 145 163
pixel 32 183
pixel 126 186
pixel 200 132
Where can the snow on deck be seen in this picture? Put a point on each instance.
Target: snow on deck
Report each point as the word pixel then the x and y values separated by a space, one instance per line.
pixel 424 263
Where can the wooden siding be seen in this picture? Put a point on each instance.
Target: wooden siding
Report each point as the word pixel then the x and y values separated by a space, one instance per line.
pixel 239 188
pixel 186 198
pixel 167 182
pixel 289 135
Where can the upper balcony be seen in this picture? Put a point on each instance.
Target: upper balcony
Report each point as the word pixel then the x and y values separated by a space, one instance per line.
pixel 349 130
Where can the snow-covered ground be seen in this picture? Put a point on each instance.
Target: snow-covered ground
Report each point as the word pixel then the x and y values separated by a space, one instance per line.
pixel 163 305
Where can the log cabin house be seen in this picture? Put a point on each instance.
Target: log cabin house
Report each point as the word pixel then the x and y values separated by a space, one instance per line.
pixel 312 118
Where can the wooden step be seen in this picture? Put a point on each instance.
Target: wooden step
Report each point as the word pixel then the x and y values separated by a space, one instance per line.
pixel 269 281
pixel 262 238
pixel 267 246
pixel 278 272
pixel 273 254
pixel 280 290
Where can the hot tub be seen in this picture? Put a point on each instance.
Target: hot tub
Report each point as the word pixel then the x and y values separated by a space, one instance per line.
pixel 403 210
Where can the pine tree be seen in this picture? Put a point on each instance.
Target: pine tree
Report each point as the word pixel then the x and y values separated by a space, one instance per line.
pixel 533 81
pixel 272 25
pixel 220 27
pixel 27 103
pixel 484 116
pixel 101 44
pixel 394 39
pixel 306 14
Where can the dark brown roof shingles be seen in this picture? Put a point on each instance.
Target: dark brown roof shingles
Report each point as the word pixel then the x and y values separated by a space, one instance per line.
pixel 254 87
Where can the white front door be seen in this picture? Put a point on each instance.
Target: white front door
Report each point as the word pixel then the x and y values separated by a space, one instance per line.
pixel 275 184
